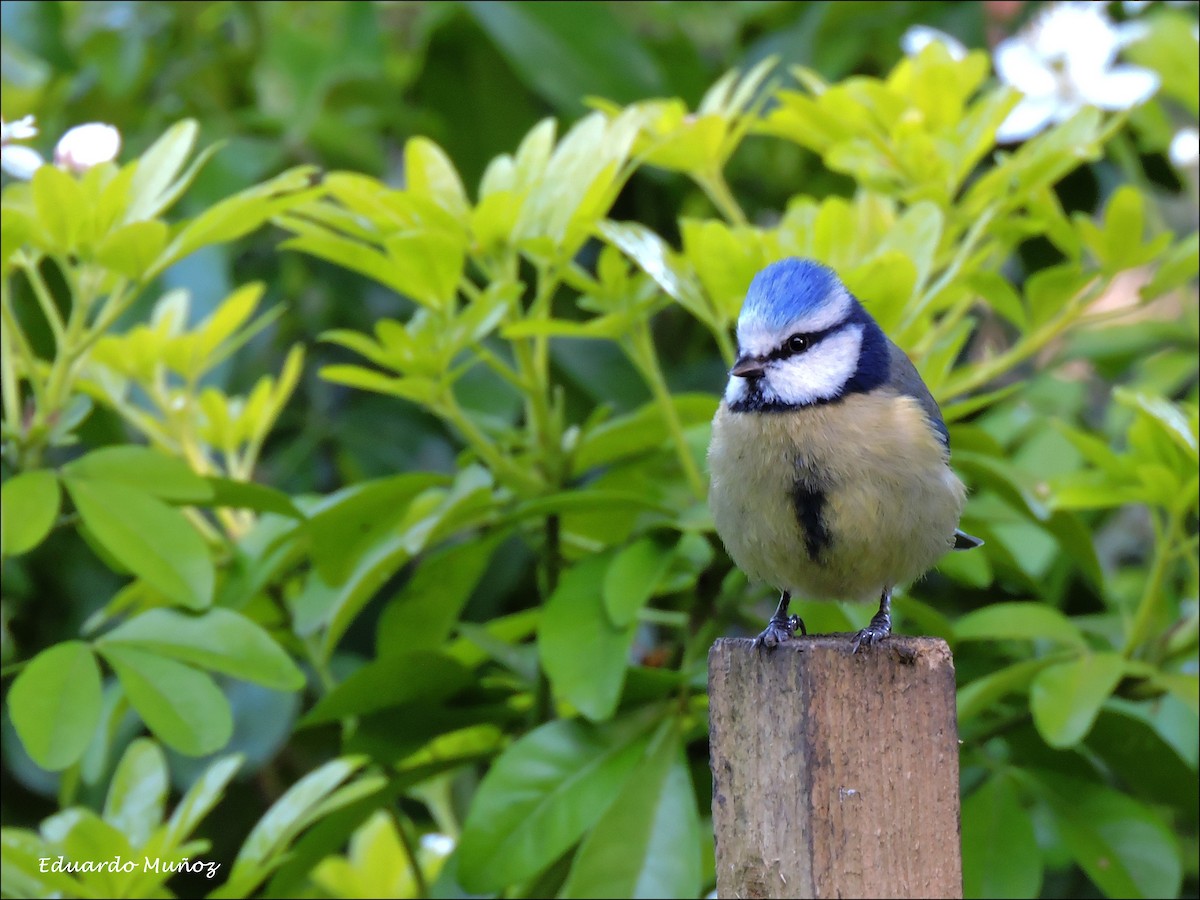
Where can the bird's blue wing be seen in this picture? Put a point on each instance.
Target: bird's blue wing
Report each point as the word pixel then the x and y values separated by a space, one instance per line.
pixel 904 378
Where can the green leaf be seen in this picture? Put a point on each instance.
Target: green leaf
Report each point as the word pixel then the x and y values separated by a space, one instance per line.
pixel 584 654
pixel 29 503
pixel 299 806
pixel 61 208
pixel 431 517
pixel 157 168
pixel 354 519
pixel 1000 851
pixel 238 215
pixel 1175 268
pixel 429 173
pixel 132 250
pixel 1020 621
pixel 335 607
pixel 226 492
pixel 16 230
pixel 181 705
pixel 1143 760
pixel 1118 244
pixel 1167 416
pixel 376 864
pixel 916 235
pixel 391 681
pixel 1124 848
pixel 1001 296
pixel 55 704
pixel 80 834
pixel 1049 291
pixel 565 52
pixel 657 260
pixel 349 253
pixel 640 431
pixel 725 259
pixel 415 389
pixel 631 579
pixel 137 794
pixel 1066 698
pixel 1168 47
pixel 426 265
pixel 540 797
pixel 149 538
pixel 201 797
pixel 979 695
pixel 22 853
pixel 219 639
pixel 648 842
pixel 162 476
pixel 422 614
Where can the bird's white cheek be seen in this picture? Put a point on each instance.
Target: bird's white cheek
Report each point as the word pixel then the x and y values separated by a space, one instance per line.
pixel 735 390
pixel 819 374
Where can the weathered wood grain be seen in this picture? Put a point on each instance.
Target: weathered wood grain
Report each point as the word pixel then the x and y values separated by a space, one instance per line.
pixel 835 774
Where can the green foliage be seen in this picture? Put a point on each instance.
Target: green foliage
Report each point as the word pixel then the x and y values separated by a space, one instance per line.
pixel 496 629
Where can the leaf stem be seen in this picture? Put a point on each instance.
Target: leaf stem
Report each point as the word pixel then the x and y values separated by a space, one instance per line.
pixel 482 445
pixel 644 356
pixel 985 371
pixel 1152 596
pixel 714 185
pixel 41 291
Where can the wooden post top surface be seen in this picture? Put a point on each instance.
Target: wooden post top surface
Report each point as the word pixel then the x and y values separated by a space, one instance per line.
pixel 835 774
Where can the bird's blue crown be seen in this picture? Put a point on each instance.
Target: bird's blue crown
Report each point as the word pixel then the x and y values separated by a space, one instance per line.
pixel 789 290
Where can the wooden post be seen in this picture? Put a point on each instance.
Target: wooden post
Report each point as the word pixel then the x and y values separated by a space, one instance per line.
pixel 835 774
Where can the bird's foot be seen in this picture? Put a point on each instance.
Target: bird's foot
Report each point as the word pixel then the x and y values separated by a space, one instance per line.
pixel 779 630
pixel 880 627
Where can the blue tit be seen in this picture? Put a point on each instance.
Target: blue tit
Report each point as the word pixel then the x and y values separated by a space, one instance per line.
pixel 830 460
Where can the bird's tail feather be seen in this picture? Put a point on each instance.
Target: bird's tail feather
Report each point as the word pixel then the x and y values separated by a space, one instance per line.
pixel 964 541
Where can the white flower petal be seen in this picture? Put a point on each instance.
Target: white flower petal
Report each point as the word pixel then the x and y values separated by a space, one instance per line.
pixel 21 130
pixel 1028 117
pixel 1018 65
pixel 20 162
pixel 918 37
pixel 86 146
pixel 1133 7
pixel 1120 88
pixel 1131 32
pixel 1078 35
pixel 437 844
pixel 1185 148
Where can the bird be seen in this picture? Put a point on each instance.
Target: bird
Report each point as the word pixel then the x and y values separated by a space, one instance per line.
pixel 829 460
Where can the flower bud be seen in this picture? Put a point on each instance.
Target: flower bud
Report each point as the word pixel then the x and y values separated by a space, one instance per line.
pixel 87 146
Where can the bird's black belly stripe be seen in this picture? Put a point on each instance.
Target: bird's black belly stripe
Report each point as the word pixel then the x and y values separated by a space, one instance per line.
pixel 809 505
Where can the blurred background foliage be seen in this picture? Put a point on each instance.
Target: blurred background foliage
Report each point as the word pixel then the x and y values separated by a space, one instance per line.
pixel 553 486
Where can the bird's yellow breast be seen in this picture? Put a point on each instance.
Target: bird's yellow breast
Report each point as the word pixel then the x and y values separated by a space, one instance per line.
pixel 889 500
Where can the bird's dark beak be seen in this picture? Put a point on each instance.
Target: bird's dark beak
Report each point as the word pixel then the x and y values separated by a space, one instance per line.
pixel 747 367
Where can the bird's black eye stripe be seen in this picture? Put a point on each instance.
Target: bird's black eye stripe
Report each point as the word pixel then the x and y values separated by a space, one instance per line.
pixel 801 342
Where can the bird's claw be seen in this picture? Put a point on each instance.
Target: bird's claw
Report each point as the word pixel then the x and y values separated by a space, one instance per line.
pixel 779 630
pixel 872 634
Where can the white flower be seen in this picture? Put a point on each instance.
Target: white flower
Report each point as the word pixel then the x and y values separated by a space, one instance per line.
pixel 87 146
pixel 1133 7
pixel 918 37
pixel 1185 148
pixel 20 162
pixel 1063 61
pixel 21 130
pixel 438 845
pixel 16 161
